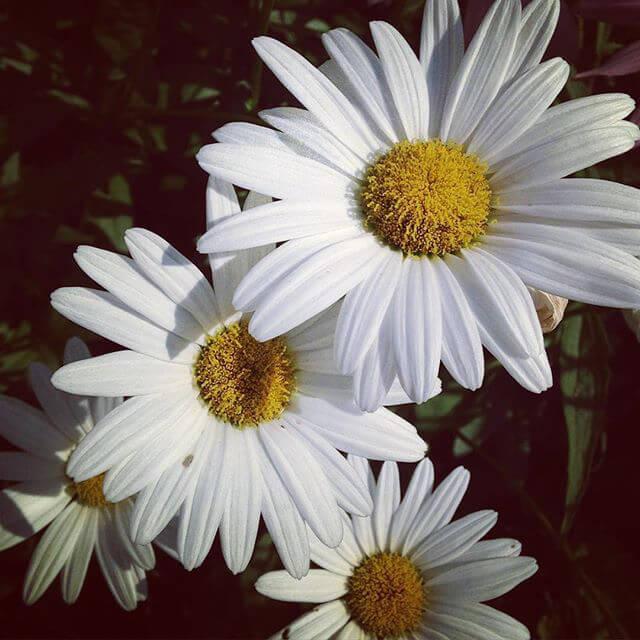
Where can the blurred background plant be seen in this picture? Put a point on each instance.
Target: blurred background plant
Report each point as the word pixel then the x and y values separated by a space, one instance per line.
pixel 105 104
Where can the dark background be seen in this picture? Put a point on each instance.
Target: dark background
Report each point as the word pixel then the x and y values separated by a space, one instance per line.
pixel 104 104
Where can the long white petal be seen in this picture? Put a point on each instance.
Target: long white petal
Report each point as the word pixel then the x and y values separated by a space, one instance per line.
pixel 27 507
pixel 405 78
pixel 318 94
pixel 517 107
pixel 461 346
pixel 476 622
pixel 123 278
pixel 569 263
pixel 75 569
pixel 20 466
pixel 441 51
pixel 241 516
pixel 386 500
pixel 482 71
pixel 123 373
pixel 363 311
pixel 539 20
pixel 283 520
pixel 105 315
pixel 315 285
pixel 362 69
pixel 321 622
pixel 317 586
pixel 29 429
pixel 141 554
pixel 305 480
pixel 52 551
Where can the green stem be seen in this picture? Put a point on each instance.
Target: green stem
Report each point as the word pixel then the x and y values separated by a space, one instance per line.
pixel 256 73
pixel 562 546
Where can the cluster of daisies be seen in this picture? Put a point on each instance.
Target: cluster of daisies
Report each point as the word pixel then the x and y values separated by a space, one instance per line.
pixel 412 211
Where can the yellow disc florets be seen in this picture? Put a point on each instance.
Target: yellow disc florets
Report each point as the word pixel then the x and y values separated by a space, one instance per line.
pixel 386 595
pixel 90 493
pixel 426 198
pixel 244 382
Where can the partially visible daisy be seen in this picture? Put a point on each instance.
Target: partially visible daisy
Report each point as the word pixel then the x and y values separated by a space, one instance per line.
pixel 80 519
pixel 219 426
pixel 408 571
pixel 428 192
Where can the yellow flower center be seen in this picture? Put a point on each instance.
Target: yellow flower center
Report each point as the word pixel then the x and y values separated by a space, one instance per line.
pixel 386 595
pixel 89 492
pixel 244 382
pixel 426 198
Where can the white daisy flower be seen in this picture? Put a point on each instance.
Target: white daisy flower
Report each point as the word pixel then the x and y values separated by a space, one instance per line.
pixel 428 192
pixel 219 426
pixel 408 571
pixel 79 516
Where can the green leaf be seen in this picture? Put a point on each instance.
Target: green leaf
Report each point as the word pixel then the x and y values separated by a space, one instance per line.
pixel 114 229
pixel 584 382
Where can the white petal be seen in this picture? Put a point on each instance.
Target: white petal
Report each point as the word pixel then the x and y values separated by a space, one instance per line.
pixel 305 480
pixel 417 334
pixel 577 200
pixel 123 373
pixel 283 520
pixel 539 20
pixel 126 429
pixel 180 280
pixel 122 277
pixel 352 631
pixel 19 466
pixel 29 429
pixel 482 580
pixel 320 623
pixel 74 350
pixel 582 114
pixel 482 71
pixel 116 566
pixel 316 333
pixel 363 311
pixel 561 157
pixel 461 346
pixel 441 51
pixel 213 462
pixel 142 554
pixel 417 492
pixel 487 549
pixel 405 78
pixel 499 300
pixel 351 493
pixel 569 264
pixel 386 500
pixel 517 107
pixel 313 139
pixel 379 436
pixel 375 375
pixel 439 508
pixel 318 361
pixel 58 407
pixel 334 559
pixel 258 284
pixel 27 507
pixel 317 586
pixel 315 285
pixel 318 94
pixel 362 69
pixel 75 569
pixel 363 530
pixel 105 315
pixel 52 551
pixel 241 516
pixel 277 222
pixel 477 622
pixel 451 541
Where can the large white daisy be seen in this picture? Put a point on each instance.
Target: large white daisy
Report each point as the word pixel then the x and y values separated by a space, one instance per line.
pixel 428 192
pixel 219 426
pixel 408 571
pixel 79 517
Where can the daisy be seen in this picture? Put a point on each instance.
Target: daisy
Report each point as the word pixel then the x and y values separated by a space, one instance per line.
pixel 218 425
pixel 79 516
pixel 408 571
pixel 429 192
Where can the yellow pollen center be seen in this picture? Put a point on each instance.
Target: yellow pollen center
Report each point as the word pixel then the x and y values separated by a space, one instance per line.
pixel 386 595
pixel 426 198
pixel 89 492
pixel 244 382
